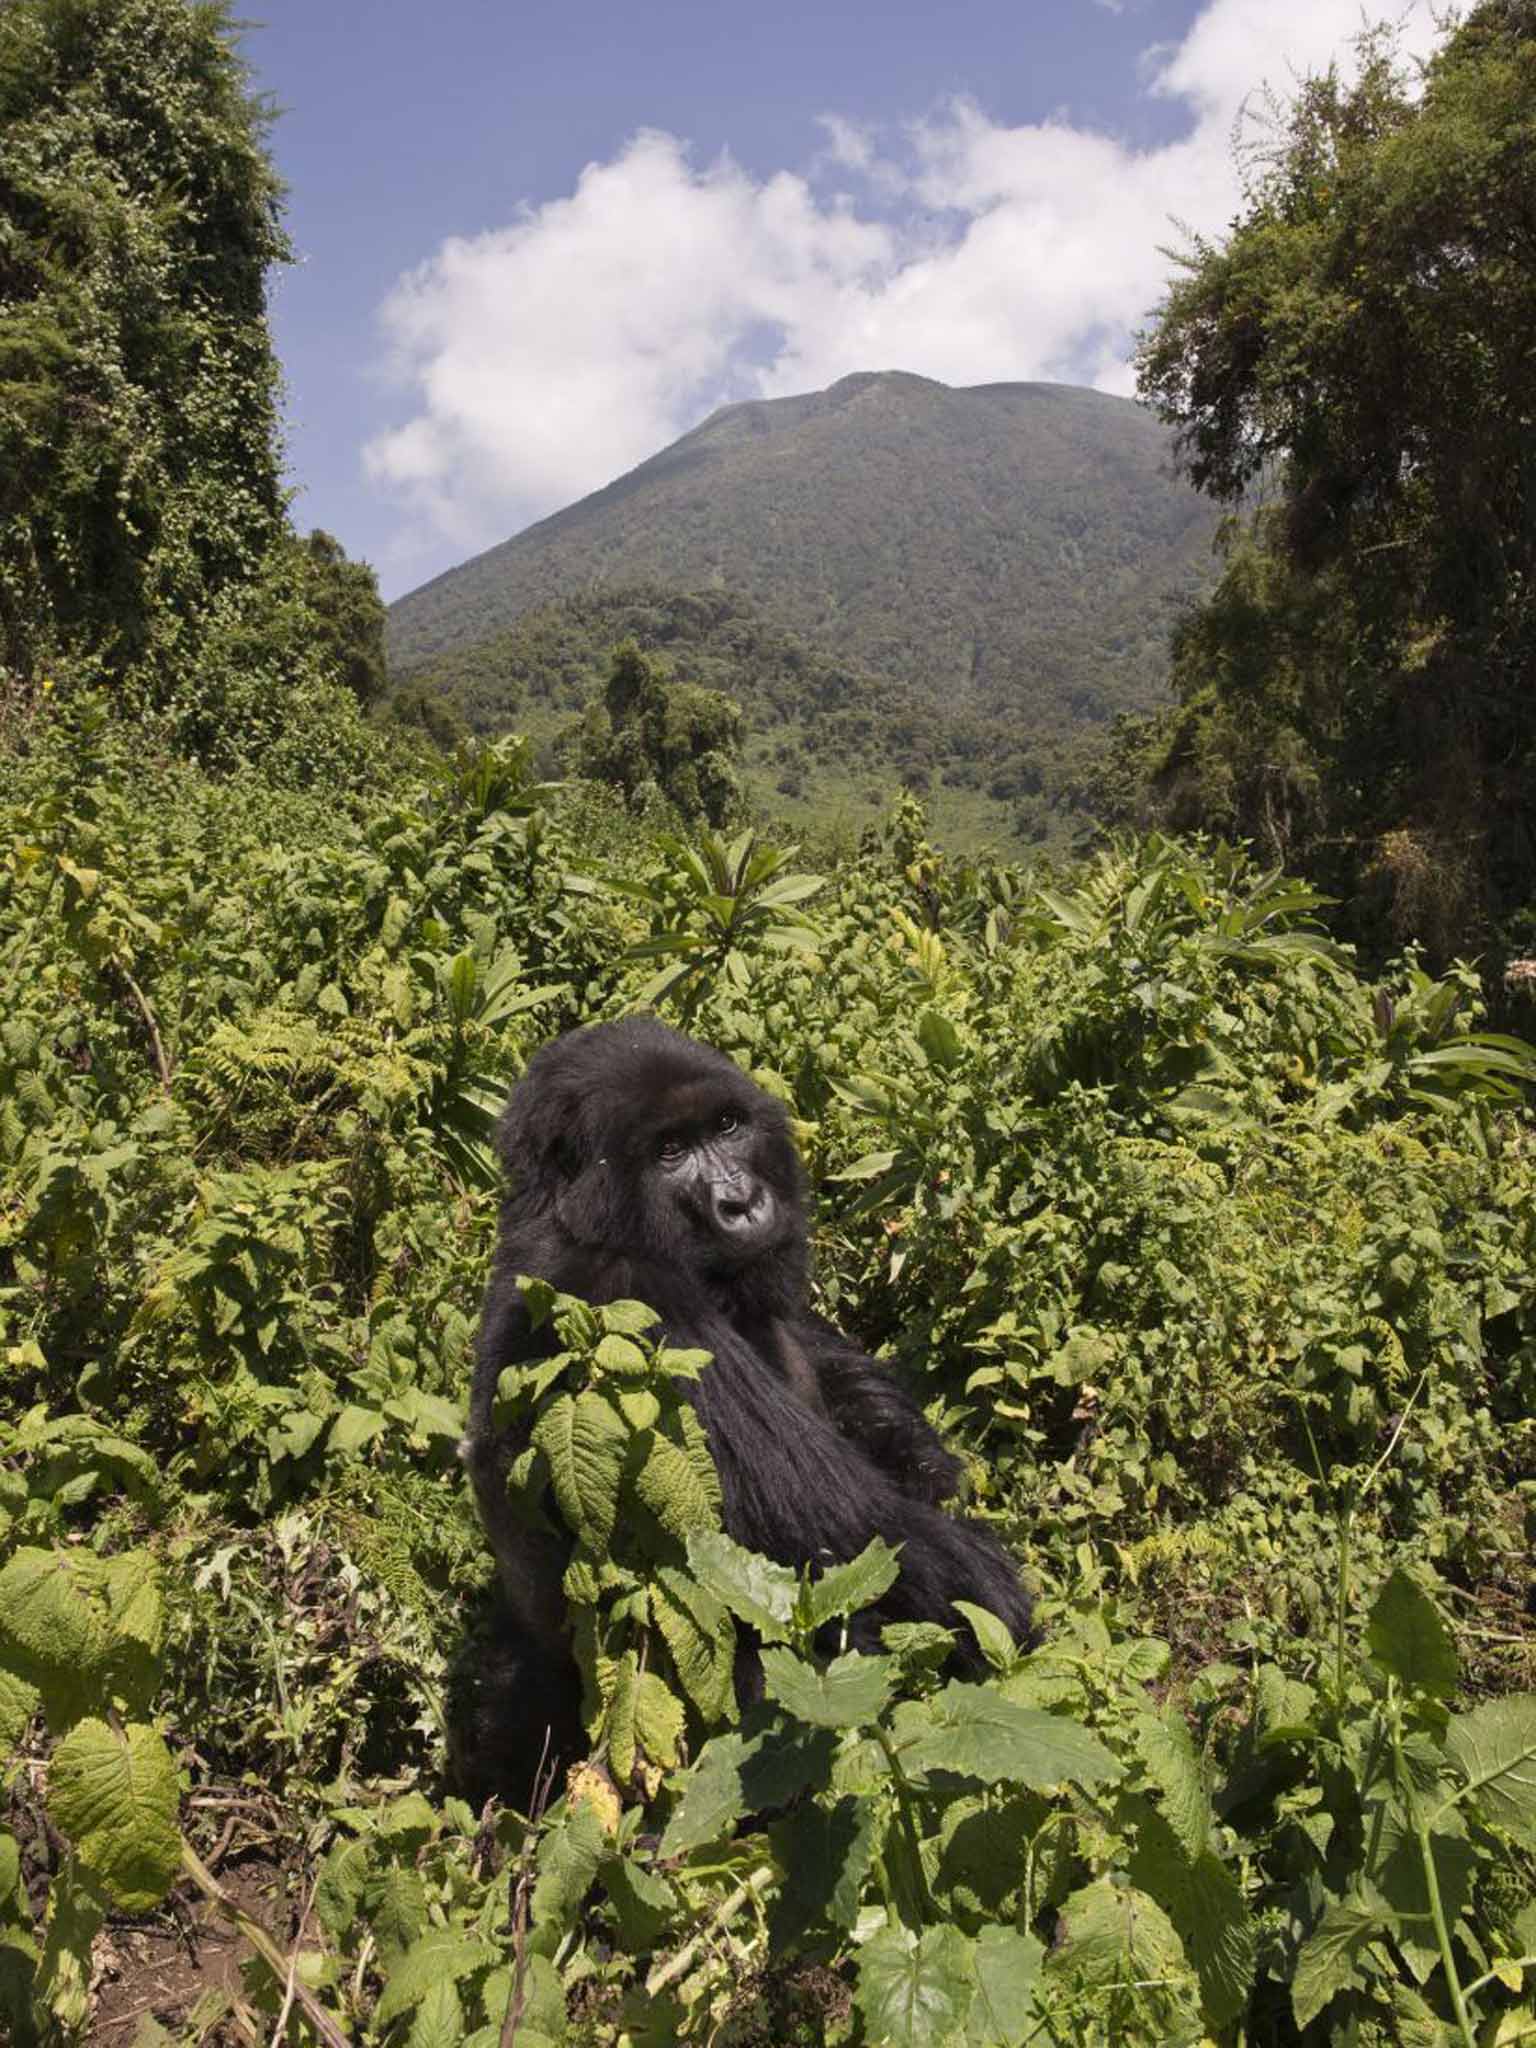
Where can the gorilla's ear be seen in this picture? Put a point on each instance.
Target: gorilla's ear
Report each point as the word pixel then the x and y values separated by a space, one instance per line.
pixel 536 1136
pixel 587 1204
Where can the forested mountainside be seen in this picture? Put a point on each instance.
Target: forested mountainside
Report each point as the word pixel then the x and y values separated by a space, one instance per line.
pixel 1011 557
pixel 824 738
pixel 1019 543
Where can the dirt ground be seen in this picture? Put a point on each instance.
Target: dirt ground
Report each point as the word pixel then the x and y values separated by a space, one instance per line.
pixel 182 1964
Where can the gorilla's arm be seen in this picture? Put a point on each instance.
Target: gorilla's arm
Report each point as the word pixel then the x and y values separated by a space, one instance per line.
pixel 869 1406
pixel 530 1560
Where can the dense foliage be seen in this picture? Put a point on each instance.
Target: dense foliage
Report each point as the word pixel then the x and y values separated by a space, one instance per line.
pixel 1357 352
pixel 824 739
pixel 1216 1259
pixel 661 741
pixel 144 538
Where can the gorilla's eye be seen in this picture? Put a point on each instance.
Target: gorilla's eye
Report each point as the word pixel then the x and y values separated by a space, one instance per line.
pixel 726 1122
pixel 670 1151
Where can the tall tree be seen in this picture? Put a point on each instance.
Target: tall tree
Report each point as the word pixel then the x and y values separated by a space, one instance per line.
pixel 1354 368
pixel 139 218
pixel 349 616
pixel 652 734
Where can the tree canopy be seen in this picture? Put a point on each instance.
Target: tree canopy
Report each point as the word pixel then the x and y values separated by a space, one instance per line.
pixel 652 735
pixel 1353 368
pixel 139 216
pixel 144 532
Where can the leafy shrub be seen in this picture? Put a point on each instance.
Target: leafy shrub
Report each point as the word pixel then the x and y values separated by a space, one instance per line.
pixel 1216 1259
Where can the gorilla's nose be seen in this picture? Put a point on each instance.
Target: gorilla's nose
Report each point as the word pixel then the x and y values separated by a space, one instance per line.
pixel 741 1211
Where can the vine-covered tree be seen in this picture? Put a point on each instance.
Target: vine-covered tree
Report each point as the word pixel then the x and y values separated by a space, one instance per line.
pixel 349 616
pixel 1353 366
pixel 653 734
pixel 139 216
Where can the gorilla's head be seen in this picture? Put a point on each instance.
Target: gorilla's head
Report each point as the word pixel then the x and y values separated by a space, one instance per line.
pixel 636 1140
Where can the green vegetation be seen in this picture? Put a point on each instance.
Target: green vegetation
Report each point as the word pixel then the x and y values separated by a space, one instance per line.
pixel 1217 1259
pixel 825 740
pixel 1010 558
pixel 1356 692
pixel 661 742
pixel 144 541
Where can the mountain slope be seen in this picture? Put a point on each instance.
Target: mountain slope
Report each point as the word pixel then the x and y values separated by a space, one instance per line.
pixel 1011 550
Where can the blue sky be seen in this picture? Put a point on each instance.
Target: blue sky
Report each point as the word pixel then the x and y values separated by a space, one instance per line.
pixel 537 242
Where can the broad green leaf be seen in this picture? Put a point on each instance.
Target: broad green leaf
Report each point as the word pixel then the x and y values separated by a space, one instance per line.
pixel 18 1703
pixel 1112 1934
pixel 713 1798
pixel 1203 1899
pixel 62 1985
pixel 629 1318
pixel 1167 1749
pixel 1326 1963
pixel 52 1634
pixel 442 1954
pixel 1007 1965
pixel 339 1889
pixel 115 1797
pixel 938 1038
pixel 439 2021
pixel 741 1774
pixel 974 1731
pixel 1495 1748
pixel 825 1853
pixel 993 1637
pixel 1396 1875
pixel 915 1992
pixel 584 1441
pixel 355 1426
pixel 396 1905
pixel 870 1167
pixel 679 1485
pixel 792 889
pixel 844 1588
pixel 659 1718
pixel 568 1860
pixel 619 1720
pixel 622 1356
pixel 644 1901
pixel 701 1638
pixel 1408 1638
pixel 850 1693
pixel 757 1590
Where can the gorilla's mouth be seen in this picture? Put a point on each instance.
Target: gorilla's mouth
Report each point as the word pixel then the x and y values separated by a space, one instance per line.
pixel 744 1217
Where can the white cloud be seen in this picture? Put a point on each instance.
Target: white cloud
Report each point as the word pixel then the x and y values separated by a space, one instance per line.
pixel 547 357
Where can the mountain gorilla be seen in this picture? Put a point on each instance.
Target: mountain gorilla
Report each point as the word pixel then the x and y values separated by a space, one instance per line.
pixel 648 1167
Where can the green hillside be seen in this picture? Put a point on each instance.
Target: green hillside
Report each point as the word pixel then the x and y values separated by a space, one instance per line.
pixel 825 738
pixel 1011 557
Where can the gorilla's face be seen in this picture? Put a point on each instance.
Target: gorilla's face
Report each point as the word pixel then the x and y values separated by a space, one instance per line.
pixel 709 1168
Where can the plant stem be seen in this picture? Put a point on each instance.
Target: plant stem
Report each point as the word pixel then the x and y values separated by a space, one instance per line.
pixel 265 1947
pixel 675 1965
pixel 1443 1936
pixel 1340 1653
pixel 909 1826
pixel 1492 1976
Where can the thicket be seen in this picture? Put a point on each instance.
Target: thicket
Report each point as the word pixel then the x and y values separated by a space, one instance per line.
pixel 1351 368
pixel 144 537
pixel 825 738
pixel 1215 1258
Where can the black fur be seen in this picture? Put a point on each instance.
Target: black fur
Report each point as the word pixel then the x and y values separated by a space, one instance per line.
pixel 817 1447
